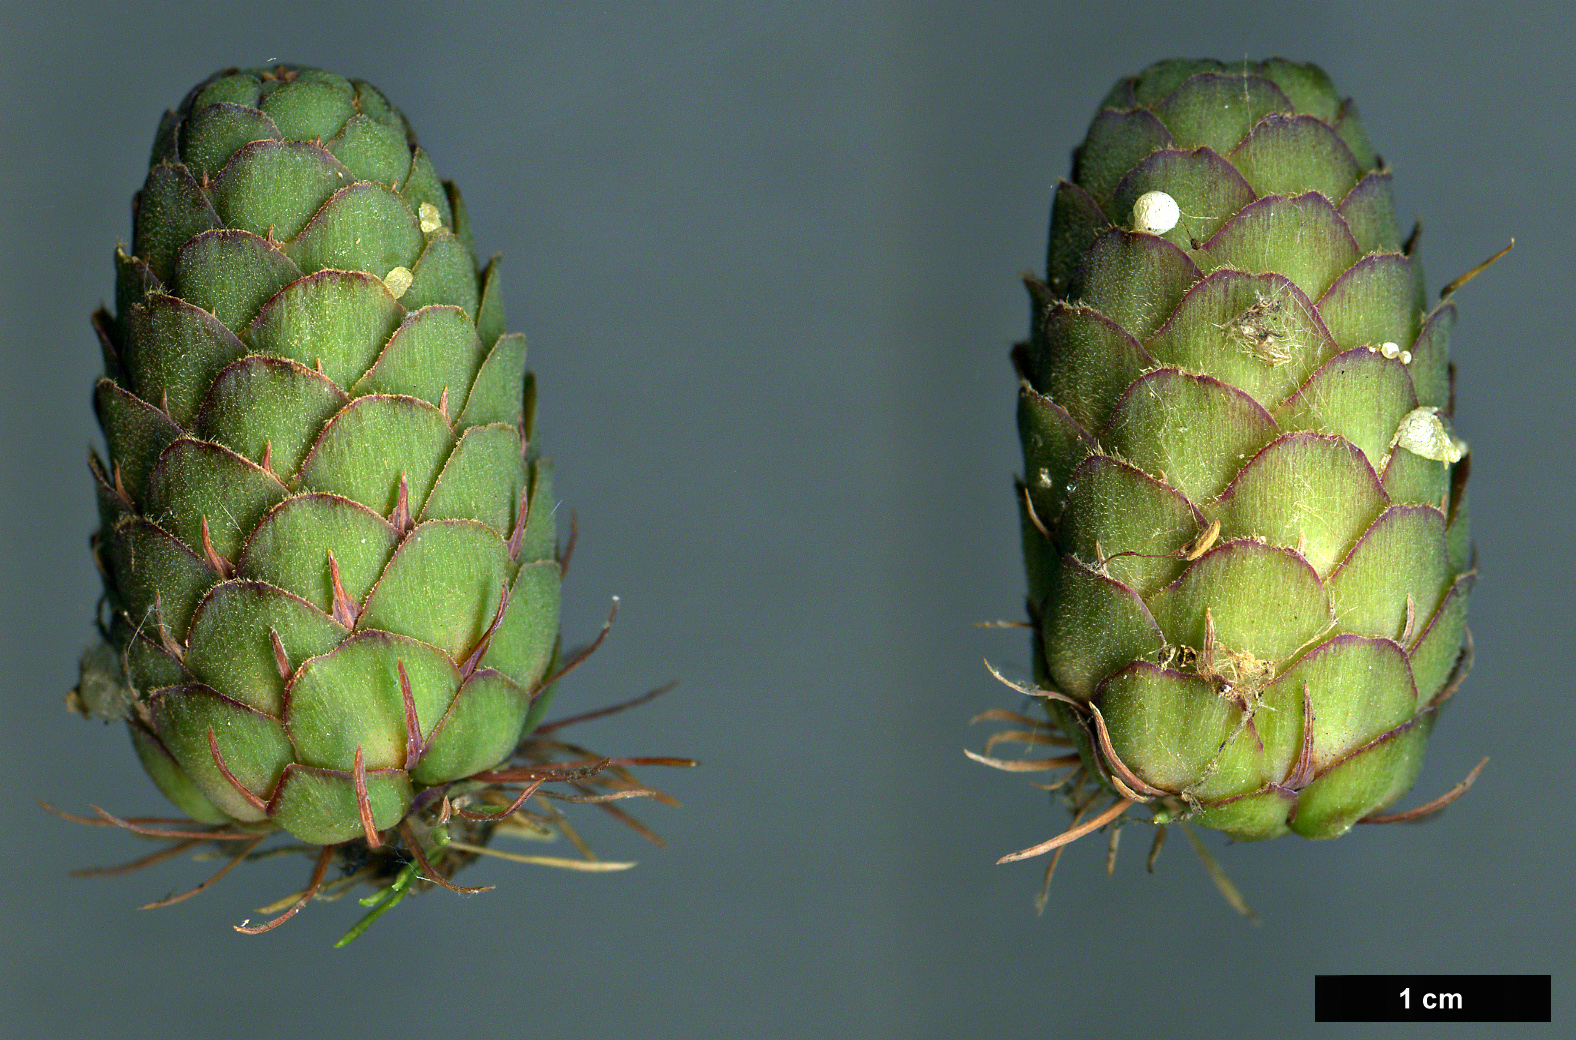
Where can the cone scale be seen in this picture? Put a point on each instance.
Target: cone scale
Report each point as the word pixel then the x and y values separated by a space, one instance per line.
pixel 1243 505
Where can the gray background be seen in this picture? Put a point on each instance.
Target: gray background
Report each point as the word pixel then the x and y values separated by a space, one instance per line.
pixel 767 258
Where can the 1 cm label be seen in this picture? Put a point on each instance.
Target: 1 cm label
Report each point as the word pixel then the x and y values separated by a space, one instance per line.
pixel 1433 1001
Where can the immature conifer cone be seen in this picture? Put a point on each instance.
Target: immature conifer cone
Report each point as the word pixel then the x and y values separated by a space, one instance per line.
pixel 1244 510
pixel 327 537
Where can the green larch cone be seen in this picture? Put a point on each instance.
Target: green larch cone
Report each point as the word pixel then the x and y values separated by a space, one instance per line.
pixel 1244 511
pixel 327 533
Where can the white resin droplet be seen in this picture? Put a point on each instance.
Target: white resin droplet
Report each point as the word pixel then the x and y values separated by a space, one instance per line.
pixel 1155 213
pixel 1421 433
pixel 398 280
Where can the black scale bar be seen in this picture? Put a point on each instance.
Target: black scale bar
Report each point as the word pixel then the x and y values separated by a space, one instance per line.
pixel 1432 998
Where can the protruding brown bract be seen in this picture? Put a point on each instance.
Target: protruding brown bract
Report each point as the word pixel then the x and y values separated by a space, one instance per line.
pixel 443 834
